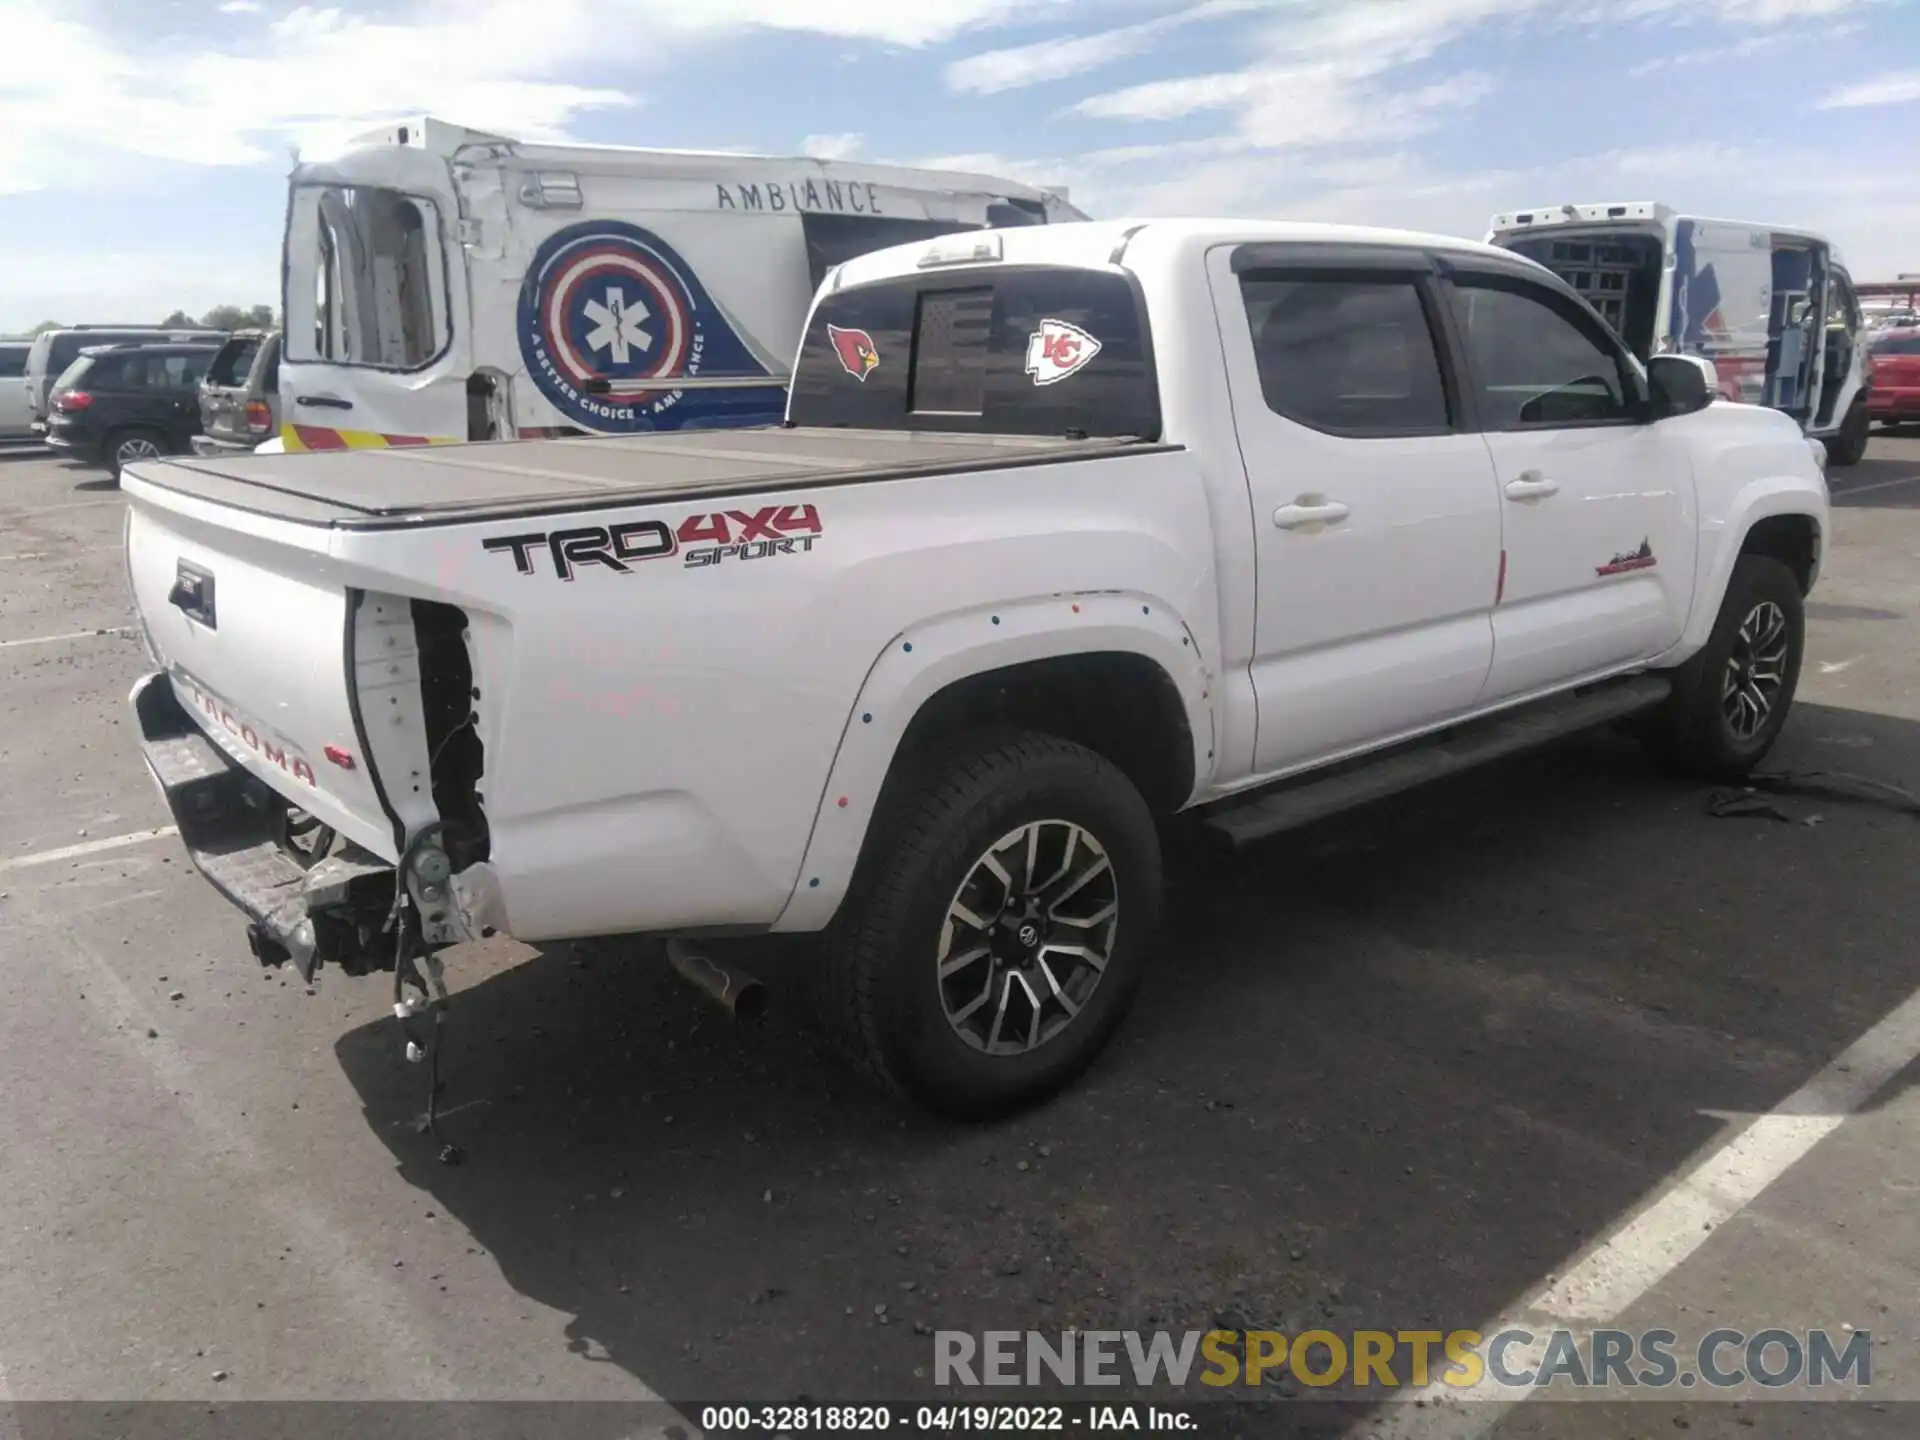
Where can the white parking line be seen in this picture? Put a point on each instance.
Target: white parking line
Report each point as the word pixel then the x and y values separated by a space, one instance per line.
pixel 67 635
pixel 44 554
pixel 63 505
pixel 1869 489
pixel 1645 1250
pixel 89 847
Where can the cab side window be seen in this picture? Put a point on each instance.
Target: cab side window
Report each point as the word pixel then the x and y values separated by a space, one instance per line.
pixel 1348 356
pixel 1538 362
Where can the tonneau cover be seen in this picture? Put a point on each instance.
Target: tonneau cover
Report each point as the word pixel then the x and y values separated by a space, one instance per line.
pixel 378 489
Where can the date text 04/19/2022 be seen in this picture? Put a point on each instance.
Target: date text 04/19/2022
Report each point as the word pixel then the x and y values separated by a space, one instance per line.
pixel 790 1420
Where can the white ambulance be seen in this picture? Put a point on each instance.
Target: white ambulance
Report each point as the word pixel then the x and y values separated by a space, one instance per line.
pixel 1772 307
pixel 445 284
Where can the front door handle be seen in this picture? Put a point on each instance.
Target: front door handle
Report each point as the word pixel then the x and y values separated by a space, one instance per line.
pixel 1309 512
pixel 1531 485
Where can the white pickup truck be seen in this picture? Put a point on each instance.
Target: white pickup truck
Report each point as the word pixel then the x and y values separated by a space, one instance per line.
pixel 1069 528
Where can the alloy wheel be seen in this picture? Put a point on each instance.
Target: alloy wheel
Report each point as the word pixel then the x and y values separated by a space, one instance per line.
pixel 1027 938
pixel 1756 670
pixel 135 447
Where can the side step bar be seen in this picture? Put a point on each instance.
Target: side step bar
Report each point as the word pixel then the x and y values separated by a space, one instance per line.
pixel 1297 803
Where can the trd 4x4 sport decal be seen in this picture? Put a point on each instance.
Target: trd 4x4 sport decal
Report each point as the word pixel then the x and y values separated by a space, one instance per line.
pixel 703 540
pixel 1057 350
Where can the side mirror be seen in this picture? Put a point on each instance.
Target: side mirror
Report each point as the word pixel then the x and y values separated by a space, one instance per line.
pixel 1681 384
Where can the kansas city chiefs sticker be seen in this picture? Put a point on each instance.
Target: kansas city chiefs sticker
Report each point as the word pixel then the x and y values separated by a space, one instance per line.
pixel 1057 350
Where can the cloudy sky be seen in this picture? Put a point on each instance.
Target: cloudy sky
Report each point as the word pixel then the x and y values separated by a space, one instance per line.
pixel 144 143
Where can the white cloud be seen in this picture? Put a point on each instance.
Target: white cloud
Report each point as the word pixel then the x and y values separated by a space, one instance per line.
pixel 831 147
pixel 96 97
pixel 1023 65
pixel 1898 87
pixel 894 22
pixel 239 7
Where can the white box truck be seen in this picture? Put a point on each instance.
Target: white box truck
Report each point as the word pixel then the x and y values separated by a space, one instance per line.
pixel 1772 306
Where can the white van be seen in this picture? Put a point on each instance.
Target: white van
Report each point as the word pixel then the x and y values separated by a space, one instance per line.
pixel 446 284
pixel 1773 308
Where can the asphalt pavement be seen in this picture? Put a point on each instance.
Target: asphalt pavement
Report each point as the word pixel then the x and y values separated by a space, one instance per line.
pixel 1408 1070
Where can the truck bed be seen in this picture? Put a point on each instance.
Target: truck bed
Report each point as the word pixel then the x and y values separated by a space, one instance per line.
pixel 395 488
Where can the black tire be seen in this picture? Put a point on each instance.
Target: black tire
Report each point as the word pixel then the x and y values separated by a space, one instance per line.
pixel 884 993
pixel 1849 447
pixel 118 445
pixel 1694 734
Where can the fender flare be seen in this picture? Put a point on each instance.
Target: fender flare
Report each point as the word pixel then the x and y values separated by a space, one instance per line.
pixel 1759 500
pixel 920 662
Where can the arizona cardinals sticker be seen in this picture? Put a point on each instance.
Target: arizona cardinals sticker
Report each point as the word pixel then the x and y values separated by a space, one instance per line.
pixel 1641 559
pixel 1057 350
pixel 856 351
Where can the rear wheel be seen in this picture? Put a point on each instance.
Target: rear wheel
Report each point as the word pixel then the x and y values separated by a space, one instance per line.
pixel 1730 701
pixel 127 447
pixel 998 936
pixel 1849 447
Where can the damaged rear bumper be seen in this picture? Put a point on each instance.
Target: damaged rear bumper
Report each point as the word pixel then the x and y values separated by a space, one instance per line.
pixel 241 836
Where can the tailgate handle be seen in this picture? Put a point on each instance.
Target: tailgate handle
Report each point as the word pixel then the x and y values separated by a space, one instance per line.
pixel 192 594
pixel 325 402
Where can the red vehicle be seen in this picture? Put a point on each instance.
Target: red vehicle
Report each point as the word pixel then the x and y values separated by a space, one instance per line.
pixel 1894 396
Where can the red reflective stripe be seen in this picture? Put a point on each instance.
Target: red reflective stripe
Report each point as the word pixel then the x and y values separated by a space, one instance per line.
pixel 318 437
pixel 406 439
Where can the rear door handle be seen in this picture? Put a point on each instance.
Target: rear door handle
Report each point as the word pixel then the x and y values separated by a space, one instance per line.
pixel 325 402
pixel 1309 510
pixel 1531 485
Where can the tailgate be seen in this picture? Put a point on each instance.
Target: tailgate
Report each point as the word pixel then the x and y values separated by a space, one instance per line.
pixel 223 411
pixel 253 631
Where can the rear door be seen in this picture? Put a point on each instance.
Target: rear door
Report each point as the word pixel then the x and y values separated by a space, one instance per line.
pixel 159 390
pixel 1596 503
pixel 1843 363
pixel 377 350
pixel 223 395
pixel 14 414
pixel 1376 516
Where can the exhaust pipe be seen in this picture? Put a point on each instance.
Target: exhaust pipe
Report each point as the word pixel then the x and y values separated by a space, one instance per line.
pixel 739 994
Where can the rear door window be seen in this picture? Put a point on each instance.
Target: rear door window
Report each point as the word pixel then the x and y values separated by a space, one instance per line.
pixel 1035 350
pixel 233 362
pixel 1350 356
pixel 96 372
pixel 13 364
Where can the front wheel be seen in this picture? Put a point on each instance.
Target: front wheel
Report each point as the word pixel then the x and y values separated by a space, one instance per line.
pixel 1849 447
pixel 1731 699
pixel 999 936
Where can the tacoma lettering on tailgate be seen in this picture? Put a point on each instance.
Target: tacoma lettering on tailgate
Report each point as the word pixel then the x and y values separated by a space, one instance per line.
pixel 241 730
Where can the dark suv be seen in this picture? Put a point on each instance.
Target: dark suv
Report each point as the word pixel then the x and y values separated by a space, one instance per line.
pixel 121 403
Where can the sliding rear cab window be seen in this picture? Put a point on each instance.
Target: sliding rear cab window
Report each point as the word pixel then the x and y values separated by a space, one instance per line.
pixel 1030 350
